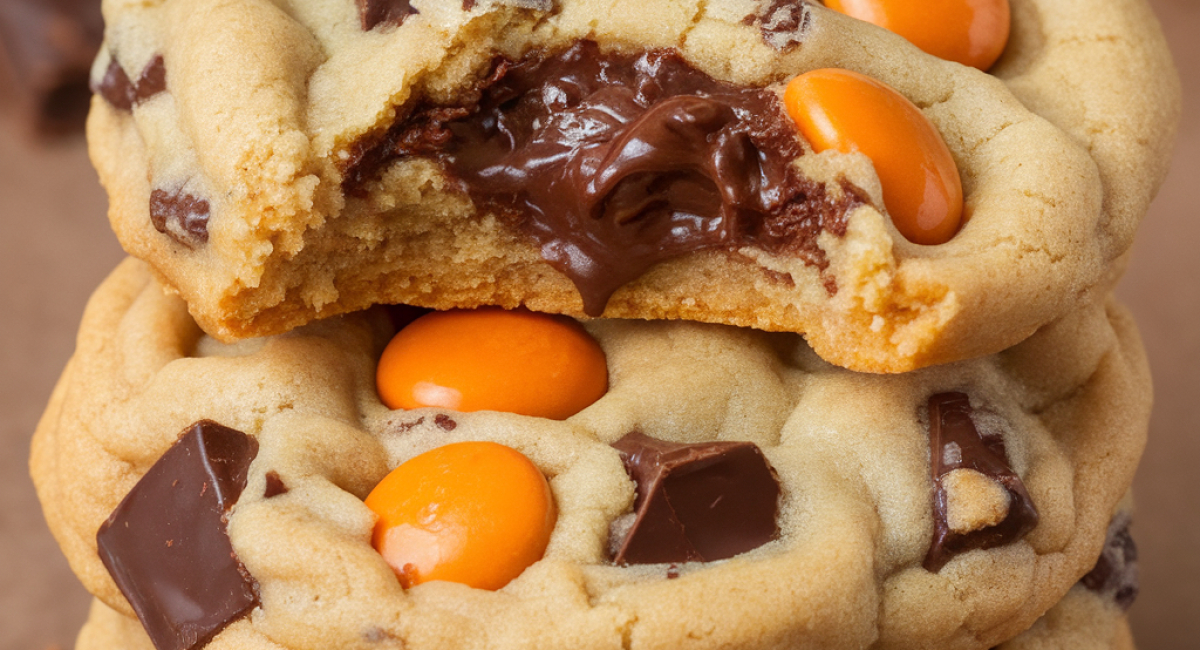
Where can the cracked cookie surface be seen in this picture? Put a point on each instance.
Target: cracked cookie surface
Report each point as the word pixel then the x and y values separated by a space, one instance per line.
pixel 237 183
pixel 1065 412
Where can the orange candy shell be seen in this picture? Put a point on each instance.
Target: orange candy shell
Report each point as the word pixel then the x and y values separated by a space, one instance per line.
pixel 971 32
pixel 846 111
pixel 476 513
pixel 495 360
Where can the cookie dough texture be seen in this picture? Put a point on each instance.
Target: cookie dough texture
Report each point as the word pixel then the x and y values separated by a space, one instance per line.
pixel 1060 152
pixel 851 451
pixel 1080 621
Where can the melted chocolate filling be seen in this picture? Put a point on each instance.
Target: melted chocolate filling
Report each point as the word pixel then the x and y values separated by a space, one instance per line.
pixel 614 162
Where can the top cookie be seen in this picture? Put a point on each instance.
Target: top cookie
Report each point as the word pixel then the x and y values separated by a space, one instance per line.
pixel 279 162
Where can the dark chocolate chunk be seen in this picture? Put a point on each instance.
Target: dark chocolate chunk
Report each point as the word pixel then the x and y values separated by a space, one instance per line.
pixel 275 485
pixel 388 12
pixel 696 502
pixel 117 89
pixel 181 216
pixel 783 23
pixel 955 443
pixel 166 544
pixel 47 48
pixel 1116 571
pixel 614 162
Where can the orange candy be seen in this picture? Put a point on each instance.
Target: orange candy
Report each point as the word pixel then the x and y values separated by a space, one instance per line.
pixel 846 111
pixel 476 513
pixel 493 360
pixel 971 32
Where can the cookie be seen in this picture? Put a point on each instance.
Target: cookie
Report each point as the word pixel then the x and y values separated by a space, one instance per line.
pixel 950 507
pixel 1082 620
pixel 256 166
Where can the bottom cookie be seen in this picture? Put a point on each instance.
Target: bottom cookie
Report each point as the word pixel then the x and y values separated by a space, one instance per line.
pixel 1083 620
pixel 947 508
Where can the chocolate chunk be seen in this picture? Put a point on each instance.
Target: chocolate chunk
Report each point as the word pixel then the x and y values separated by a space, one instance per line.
pixel 181 216
pixel 275 485
pixel 613 162
pixel 117 89
pixel 1116 571
pixel 388 12
pixel 445 422
pixel 696 502
pixel 166 544
pixel 955 443
pixel 783 23
pixel 47 47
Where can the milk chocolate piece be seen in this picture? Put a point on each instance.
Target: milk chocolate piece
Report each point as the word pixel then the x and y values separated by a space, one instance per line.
pixel 47 47
pixel 955 443
pixel 1116 571
pixel 181 216
pixel 166 544
pixel 696 502
pixel 117 89
pixel 611 163
pixel 372 13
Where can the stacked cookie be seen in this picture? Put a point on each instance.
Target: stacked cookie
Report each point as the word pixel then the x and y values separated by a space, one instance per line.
pixel 658 324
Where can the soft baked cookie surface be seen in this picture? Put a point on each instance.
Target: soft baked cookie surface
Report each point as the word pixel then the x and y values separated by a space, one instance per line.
pixel 245 159
pixel 1067 409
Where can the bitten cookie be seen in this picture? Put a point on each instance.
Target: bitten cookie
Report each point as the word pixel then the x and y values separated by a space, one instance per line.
pixel 278 162
pixel 946 508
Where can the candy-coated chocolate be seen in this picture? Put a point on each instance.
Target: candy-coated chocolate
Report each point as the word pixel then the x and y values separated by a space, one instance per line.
pixel 493 360
pixel 971 32
pixel 477 513
pixel 846 111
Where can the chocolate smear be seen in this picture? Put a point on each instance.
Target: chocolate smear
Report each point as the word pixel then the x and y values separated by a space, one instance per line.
pixel 783 23
pixel 614 162
pixel 955 443
pixel 181 216
pixel 166 544
pixel 696 502
pixel 373 13
pixel 116 87
pixel 47 47
pixel 1116 571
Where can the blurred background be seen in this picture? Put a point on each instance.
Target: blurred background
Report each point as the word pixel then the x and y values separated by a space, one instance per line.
pixel 55 247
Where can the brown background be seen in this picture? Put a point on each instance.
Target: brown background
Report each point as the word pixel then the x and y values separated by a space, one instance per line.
pixel 55 247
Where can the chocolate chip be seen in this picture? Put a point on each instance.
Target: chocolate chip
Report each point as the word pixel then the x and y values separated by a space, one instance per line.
pixel 181 216
pixel 387 12
pixel 116 87
pixel 275 485
pixel 152 81
pixel 445 422
pixel 955 443
pixel 783 23
pixel 166 544
pixel 696 502
pixel 1116 571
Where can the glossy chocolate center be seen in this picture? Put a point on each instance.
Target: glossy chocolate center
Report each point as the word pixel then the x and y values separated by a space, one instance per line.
pixel 614 162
